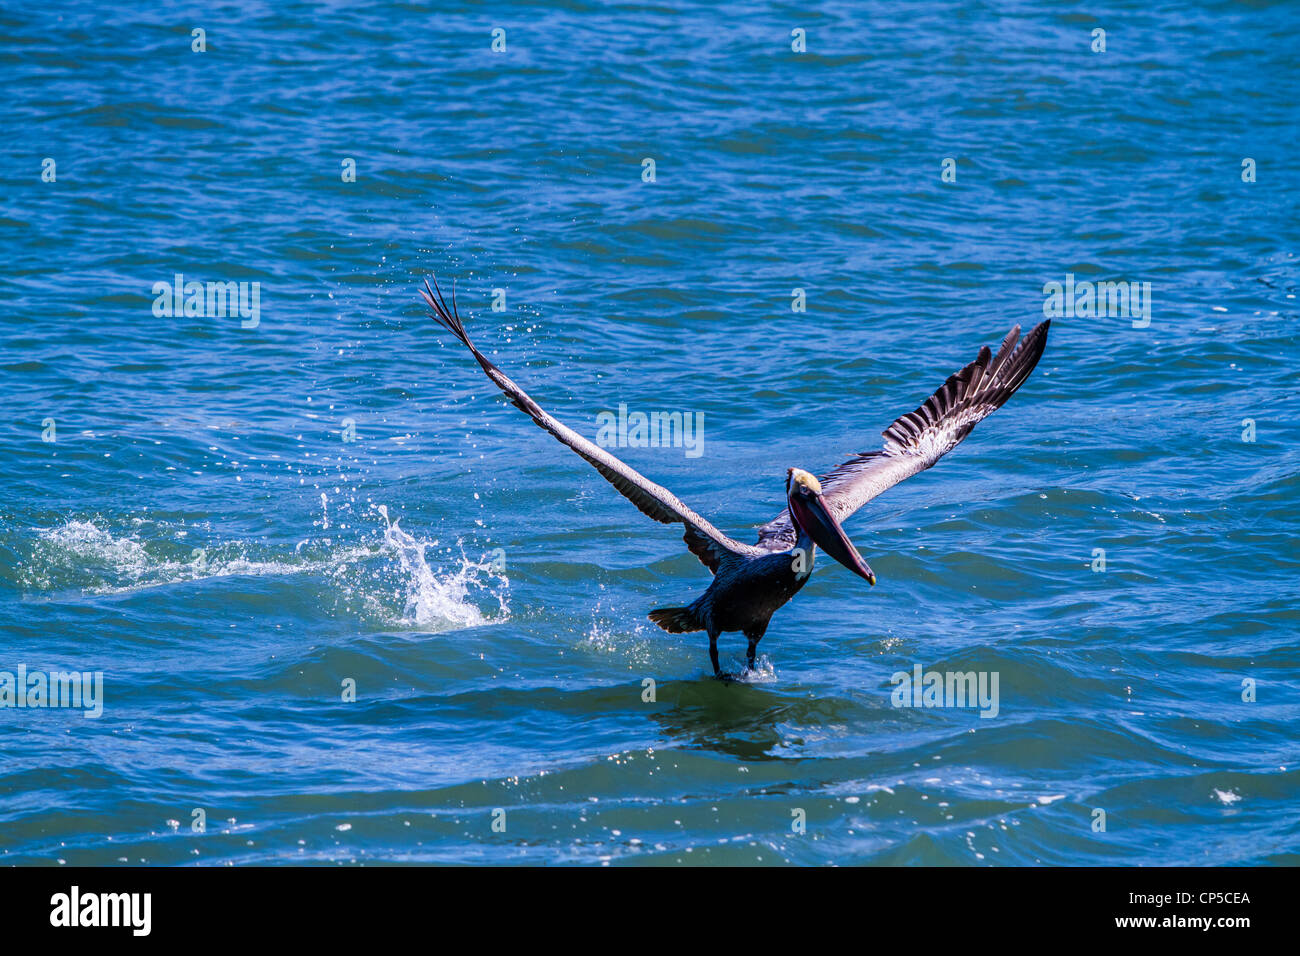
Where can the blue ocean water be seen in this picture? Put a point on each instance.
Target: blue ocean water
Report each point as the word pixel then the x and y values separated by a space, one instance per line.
pixel 240 520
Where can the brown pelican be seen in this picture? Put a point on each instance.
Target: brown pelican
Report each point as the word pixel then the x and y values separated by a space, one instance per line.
pixel 751 581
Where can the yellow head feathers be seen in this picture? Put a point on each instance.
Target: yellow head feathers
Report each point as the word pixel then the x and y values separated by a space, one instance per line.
pixel 804 479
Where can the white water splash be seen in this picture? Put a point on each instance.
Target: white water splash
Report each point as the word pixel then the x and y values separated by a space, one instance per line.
pixel 86 556
pixel 434 599
pixel 763 672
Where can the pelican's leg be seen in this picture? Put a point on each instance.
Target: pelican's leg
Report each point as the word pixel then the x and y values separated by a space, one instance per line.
pixel 755 634
pixel 713 653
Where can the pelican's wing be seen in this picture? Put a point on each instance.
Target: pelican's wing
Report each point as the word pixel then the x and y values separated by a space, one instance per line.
pixel 920 438
pixel 706 542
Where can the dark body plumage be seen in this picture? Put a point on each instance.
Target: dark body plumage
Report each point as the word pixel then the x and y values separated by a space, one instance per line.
pixel 743 596
pixel 751 582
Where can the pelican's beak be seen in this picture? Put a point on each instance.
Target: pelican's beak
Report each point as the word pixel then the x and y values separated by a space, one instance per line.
pixel 809 509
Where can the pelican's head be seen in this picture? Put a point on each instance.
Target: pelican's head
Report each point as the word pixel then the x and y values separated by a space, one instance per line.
pixel 811 515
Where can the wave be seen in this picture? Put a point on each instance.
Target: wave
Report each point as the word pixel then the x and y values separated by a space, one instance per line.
pixel 387 576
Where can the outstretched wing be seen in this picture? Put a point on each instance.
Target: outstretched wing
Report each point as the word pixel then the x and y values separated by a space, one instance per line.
pixel 706 542
pixel 920 438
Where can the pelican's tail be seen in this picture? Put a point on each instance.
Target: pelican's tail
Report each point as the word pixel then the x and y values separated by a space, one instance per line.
pixel 676 620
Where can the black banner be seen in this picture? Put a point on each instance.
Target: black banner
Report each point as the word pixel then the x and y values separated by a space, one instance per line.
pixel 224 905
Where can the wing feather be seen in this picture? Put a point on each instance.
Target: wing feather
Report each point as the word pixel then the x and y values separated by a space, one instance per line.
pixel 917 440
pixel 705 541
